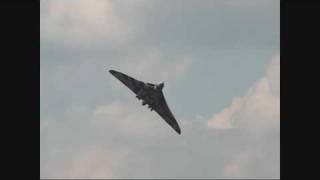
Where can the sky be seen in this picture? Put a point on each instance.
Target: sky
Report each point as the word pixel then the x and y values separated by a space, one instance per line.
pixel 219 59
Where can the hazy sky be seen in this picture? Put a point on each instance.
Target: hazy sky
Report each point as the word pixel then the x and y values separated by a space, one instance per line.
pixel 220 63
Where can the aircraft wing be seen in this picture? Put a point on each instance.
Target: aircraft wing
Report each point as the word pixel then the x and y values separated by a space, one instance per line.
pixel 163 110
pixel 133 84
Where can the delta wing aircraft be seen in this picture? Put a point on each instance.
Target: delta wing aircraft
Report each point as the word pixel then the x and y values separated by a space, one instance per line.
pixel 151 95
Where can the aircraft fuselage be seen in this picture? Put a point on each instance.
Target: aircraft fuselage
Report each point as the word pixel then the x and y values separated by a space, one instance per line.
pixel 149 94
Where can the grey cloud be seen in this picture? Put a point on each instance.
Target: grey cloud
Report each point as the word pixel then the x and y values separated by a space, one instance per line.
pixel 185 25
pixel 200 152
pixel 209 24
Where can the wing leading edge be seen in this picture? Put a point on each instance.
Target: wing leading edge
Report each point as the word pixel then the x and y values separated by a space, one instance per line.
pixel 133 84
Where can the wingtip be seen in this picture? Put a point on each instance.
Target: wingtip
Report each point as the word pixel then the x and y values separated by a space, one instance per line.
pixel 178 131
pixel 112 71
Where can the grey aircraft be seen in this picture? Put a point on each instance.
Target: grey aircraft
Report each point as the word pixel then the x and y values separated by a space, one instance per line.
pixel 150 94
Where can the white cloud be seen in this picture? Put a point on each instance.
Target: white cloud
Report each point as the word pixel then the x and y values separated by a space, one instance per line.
pixel 236 168
pixel 81 22
pixel 126 117
pixel 224 119
pixel 94 163
pixel 94 144
pixel 258 112
pixel 259 107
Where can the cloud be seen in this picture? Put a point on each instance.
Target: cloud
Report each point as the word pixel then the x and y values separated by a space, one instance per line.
pixel 236 168
pixel 179 24
pixel 257 112
pixel 124 140
pixel 92 127
pixel 81 22
pixel 95 144
pixel 94 163
pixel 126 117
pixel 259 107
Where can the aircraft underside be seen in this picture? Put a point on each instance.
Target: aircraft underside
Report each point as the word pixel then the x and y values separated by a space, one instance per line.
pixel 148 98
pixel 151 95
